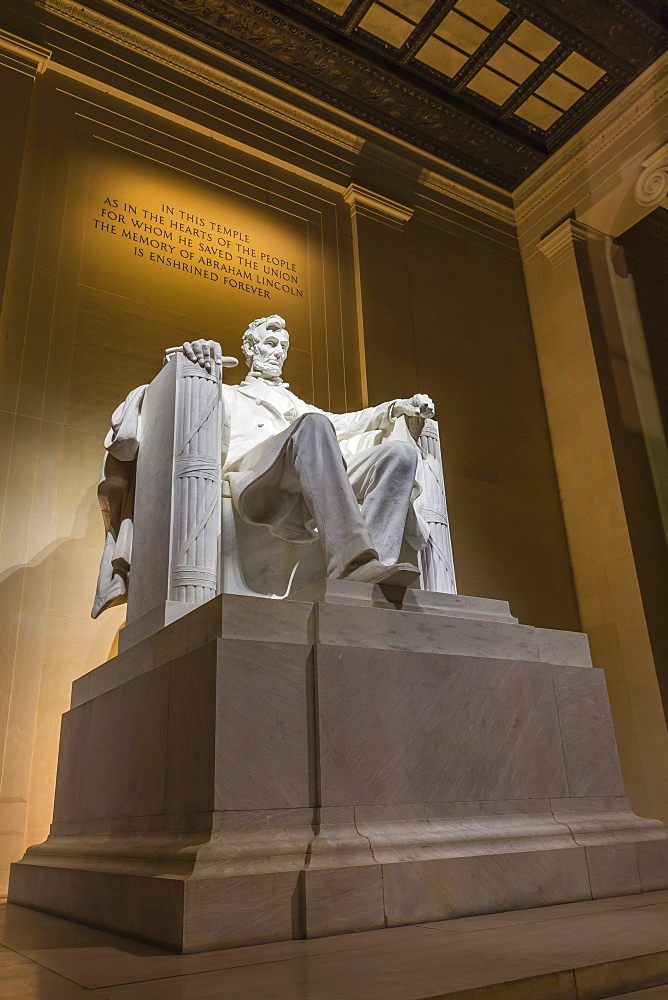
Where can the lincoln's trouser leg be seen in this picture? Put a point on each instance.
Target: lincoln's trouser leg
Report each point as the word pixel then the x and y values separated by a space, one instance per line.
pixel 318 465
pixel 382 479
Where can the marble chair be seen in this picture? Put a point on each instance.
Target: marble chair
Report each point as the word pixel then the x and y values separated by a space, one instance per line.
pixel 189 543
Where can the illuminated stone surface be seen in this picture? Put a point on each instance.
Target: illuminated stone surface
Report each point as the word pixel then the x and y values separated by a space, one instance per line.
pixel 216 789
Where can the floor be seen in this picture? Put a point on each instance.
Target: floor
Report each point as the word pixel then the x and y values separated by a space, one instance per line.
pixel 577 951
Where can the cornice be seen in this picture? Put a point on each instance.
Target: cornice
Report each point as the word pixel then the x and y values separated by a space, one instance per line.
pixel 267 39
pixel 21 55
pixel 361 201
pixel 638 99
pixel 454 182
pixel 559 243
pixel 144 45
pixel 468 196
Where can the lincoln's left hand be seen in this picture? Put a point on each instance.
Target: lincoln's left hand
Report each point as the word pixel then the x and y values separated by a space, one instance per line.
pixel 418 405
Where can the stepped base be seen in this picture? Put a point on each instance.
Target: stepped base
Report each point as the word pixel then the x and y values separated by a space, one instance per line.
pixel 357 767
pixel 591 951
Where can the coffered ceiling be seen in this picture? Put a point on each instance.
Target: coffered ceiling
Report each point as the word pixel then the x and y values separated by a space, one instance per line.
pixel 491 86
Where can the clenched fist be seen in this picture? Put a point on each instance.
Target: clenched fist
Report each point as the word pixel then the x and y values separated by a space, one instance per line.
pixel 418 405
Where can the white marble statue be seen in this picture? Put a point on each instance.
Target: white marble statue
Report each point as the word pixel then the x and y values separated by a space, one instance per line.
pixel 298 471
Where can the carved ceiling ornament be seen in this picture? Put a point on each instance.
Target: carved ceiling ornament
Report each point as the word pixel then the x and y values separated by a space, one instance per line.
pixel 613 24
pixel 248 31
pixel 302 45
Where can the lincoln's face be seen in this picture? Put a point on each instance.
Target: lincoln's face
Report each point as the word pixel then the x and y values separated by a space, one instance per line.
pixel 271 350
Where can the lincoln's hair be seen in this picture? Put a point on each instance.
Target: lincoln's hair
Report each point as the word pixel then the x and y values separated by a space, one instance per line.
pixel 250 337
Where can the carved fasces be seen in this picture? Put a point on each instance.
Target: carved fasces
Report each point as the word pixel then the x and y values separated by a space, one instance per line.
pixel 197 474
pixel 437 567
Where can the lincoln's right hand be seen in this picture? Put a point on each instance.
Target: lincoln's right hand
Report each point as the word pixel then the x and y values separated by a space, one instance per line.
pixel 204 352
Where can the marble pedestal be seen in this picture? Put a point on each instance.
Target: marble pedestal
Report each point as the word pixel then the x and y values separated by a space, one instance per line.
pixel 262 770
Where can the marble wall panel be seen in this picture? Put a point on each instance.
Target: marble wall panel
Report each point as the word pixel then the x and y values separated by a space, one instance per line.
pixel 158 910
pixel 569 648
pixel 407 727
pixel 343 900
pixel 101 900
pixel 458 887
pixel 653 864
pixel 273 621
pixel 240 911
pixel 227 616
pixel 613 870
pixel 72 755
pixel 46 887
pixel 590 748
pixel 114 752
pixel 65 651
pixel 264 748
pixel 191 737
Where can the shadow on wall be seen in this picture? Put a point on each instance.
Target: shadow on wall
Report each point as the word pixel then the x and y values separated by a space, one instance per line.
pixel 59 581
pixel 47 640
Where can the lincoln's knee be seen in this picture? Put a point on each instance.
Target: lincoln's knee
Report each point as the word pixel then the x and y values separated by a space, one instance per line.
pixel 315 425
pixel 400 455
pixel 397 458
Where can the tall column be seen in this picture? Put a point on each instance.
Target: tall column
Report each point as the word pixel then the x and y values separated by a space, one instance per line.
pixel 21 63
pixel 591 366
pixel 382 294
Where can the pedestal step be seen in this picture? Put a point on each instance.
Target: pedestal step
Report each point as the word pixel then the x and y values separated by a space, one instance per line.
pixel 262 771
pixel 593 950
pixel 653 993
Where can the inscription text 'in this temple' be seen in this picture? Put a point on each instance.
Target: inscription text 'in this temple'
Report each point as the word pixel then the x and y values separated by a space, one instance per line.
pixel 198 246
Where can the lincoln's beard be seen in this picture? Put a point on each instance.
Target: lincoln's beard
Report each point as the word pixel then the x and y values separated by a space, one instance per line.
pixel 269 367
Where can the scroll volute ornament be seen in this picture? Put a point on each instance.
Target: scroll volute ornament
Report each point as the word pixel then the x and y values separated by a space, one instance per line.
pixel 652 185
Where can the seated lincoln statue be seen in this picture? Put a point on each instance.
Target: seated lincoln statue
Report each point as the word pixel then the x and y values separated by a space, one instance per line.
pixel 290 468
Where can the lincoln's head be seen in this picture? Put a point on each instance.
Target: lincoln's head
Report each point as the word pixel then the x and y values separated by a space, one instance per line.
pixel 265 345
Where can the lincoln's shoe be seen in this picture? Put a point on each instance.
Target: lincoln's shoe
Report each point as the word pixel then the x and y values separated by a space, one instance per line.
pixel 374 571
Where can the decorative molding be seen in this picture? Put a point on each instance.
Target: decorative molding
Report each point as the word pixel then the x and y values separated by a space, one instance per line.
pixel 599 30
pixel 617 38
pixel 22 55
pixel 447 182
pixel 195 68
pixel 437 174
pixel 652 186
pixel 621 115
pixel 560 242
pixel 298 45
pixel 469 196
pixel 374 206
pixel 337 76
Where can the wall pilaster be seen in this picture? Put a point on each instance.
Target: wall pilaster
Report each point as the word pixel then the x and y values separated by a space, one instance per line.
pixel 584 323
pixel 382 293
pixel 21 62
